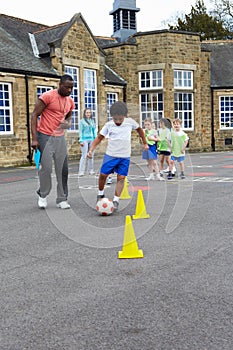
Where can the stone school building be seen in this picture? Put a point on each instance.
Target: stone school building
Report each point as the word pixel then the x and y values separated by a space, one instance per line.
pixel 160 73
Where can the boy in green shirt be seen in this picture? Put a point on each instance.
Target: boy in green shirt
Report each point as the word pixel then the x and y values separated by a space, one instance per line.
pixel 179 141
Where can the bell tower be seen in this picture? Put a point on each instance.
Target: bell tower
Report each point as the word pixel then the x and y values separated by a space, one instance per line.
pixel 124 19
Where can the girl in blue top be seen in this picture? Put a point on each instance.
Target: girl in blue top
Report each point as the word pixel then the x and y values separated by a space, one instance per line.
pixel 87 133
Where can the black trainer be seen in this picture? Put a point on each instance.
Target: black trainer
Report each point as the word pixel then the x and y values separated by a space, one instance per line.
pixel 182 176
pixel 99 196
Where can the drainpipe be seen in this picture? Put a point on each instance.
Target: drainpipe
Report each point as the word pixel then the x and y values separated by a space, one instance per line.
pixel 124 93
pixel 29 156
pixel 212 121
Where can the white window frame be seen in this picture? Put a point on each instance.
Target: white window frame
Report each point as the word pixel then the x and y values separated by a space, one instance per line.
pixel 90 87
pixel 41 89
pixel 151 80
pixel 112 97
pixel 183 79
pixel 150 107
pixel 184 108
pixel 6 110
pixel 226 112
pixel 75 95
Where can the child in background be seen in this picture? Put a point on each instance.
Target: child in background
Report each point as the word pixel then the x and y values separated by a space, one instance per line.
pixel 151 154
pixel 87 133
pixel 179 141
pixel 164 149
pixel 168 124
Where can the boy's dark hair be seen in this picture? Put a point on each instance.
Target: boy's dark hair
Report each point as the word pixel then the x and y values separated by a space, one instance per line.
pixel 119 108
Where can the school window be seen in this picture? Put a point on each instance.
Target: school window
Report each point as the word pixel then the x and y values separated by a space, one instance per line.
pixel 73 72
pixel 183 109
pixel 151 106
pixel 183 79
pixel 151 80
pixel 151 100
pixel 6 113
pixel 226 112
pixel 90 92
pixel 41 89
pixel 112 97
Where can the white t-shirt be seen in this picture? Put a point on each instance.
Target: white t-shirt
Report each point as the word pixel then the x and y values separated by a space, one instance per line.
pixel 119 137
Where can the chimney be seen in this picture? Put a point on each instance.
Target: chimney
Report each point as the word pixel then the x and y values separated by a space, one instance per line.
pixel 124 19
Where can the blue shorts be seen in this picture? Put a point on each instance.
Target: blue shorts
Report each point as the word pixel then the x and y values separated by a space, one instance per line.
pixel 117 165
pixel 178 159
pixel 151 153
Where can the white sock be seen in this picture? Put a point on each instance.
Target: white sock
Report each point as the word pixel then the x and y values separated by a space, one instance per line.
pixel 100 193
pixel 116 199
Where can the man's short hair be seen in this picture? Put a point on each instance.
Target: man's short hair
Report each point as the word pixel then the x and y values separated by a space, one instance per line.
pixel 66 77
pixel 119 109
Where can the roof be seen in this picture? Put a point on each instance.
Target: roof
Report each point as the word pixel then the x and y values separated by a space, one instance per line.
pixel 221 62
pixel 16 52
pixel 112 77
pixel 105 41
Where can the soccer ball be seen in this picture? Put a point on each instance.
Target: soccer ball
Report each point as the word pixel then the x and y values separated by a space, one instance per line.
pixel 104 206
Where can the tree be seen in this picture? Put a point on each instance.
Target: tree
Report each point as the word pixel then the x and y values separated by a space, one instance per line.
pixel 223 10
pixel 199 21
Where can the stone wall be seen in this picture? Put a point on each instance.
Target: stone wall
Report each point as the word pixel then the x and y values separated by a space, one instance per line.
pixel 168 51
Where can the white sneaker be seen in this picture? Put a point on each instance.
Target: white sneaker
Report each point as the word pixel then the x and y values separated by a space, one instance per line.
pixel 92 172
pixel 80 174
pixel 42 203
pixel 173 170
pixel 109 181
pixel 166 170
pixel 160 178
pixel 150 177
pixel 63 205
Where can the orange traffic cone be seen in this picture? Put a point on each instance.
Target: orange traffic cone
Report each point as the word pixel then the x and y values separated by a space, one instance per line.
pixel 140 212
pixel 125 193
pixel 130 247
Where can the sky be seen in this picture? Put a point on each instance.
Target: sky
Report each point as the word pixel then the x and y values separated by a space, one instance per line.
pixel 153 14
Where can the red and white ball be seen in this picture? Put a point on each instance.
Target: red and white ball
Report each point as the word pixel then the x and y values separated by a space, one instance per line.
pixel 104 206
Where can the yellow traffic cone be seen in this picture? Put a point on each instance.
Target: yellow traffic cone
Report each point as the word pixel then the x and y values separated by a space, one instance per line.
pixel 125 193
pixel 140 212
pixel 130 247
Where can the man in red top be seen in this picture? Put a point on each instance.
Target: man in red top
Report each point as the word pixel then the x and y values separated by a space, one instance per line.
pixel 55 110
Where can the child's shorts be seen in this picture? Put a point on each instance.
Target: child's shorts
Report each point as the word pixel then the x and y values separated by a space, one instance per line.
pixel 150 154
pixel 165 153
pixel 117 165
pixel 178 159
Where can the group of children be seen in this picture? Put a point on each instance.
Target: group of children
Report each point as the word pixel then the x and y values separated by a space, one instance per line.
pixel 168 143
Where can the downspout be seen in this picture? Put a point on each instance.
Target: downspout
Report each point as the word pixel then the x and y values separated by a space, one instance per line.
pixel 29 156
pixel 212 121
pixel 124 93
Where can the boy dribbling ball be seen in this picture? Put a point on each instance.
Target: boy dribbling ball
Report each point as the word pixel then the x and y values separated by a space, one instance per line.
pixel 118 152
